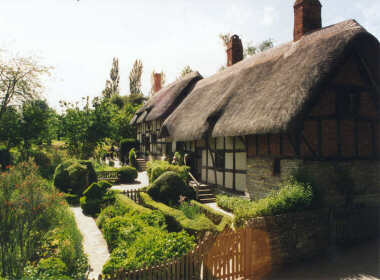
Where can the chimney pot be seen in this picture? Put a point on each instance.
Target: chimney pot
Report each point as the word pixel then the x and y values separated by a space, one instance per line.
pixel 307 17
pixel 157 82
pixel 234 50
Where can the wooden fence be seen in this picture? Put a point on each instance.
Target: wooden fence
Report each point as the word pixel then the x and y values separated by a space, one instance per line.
pixel 219 256
pixel 111 176
pixel 134 195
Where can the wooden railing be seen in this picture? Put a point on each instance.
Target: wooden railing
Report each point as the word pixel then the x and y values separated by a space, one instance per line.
pixel 195 186
pixel 112 176
pixel 134 195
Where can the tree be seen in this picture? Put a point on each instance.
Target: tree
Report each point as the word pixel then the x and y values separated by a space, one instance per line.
pixel 20 80
pixel 112 85
pixel 135 78
pixel 10 126
pixel 186 70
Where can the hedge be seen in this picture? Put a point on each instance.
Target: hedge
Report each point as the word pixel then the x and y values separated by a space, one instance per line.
pixel 158 167
pixel 177 220
pixel 127 174
pixel 125 146
pixel 218 218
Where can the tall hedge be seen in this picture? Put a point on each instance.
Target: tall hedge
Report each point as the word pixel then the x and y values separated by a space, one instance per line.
pixel 125 146
pixel 74 176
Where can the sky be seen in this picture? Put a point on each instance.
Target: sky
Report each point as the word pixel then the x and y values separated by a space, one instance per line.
pixel 80 38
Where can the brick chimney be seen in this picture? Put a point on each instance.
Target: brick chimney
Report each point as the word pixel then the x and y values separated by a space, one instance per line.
pixel 307 17
pixel 157 82
pixel 234 50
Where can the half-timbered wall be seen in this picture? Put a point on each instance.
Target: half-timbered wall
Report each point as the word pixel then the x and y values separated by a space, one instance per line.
pixel 224 163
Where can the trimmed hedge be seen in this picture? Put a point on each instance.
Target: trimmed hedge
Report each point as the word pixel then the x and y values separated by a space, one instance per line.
pixel 158 167
pixel 127 174
pixel 177 220
pixel 219 219
pixel 132 158
pixel 74 176
pixel 169 187
pixel 72 199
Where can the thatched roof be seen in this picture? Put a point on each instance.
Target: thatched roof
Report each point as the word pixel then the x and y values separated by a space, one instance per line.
pixel 162 103
pixel 269 92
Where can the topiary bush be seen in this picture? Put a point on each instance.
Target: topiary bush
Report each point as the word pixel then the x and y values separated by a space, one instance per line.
pixel 156 168
pixel 132 158
pixel 5 157
pixel 94 191
pixel 74 176
pixel 127 174
pixel 96 197
pixel 90 206
pixel 169 187
pixel 125 146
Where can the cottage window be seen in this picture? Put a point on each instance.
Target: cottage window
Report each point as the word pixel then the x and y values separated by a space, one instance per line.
pixel 220 160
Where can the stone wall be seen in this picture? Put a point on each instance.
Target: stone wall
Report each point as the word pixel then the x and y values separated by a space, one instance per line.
pixel 364 175
pixel 283 239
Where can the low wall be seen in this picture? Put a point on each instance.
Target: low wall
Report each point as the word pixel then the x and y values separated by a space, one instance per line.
pixel 282 239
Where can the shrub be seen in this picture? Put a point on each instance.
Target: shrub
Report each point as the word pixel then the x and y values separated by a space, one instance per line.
pixel 229 203
pixel 127 174
pixel 52 266
pixel 292 197
pixel 218 218
pixel 90 206
pixel 156 168
pixel 177 220
pixel 94 191
pixel 72 199
pixel 96 197
pixel 125 146
pixel 132 158
pixel 44 164
pixel 179 158
pixel 169 187
pixel 5 157
pixel 74 176
pixel 191 211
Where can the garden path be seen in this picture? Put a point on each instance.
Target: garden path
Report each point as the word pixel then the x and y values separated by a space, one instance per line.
pixel 141 182
pixel 217 208
pixel 93 242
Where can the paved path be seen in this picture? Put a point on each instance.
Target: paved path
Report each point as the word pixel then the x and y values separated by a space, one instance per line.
pixel 93 242
pixel 141 181
pixel 217 208
pixel 359 262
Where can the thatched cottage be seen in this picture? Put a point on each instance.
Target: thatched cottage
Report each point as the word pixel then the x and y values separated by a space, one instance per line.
pixel 311 103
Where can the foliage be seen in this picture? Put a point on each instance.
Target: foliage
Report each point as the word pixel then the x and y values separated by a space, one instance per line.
pixel 220 219
pixel 292 197
pixel 44 164
pixel 139 238
pixel 169 187
pixel 190 210
pixel 125 146
pixel 127 174
pixel 135 78
pixel 158 167
pixel 96 197
pixel 52 266
pixel 35 224
pixel 132 158
pixel 72 199
pixel 5 157
pixel 74 176
pixel 20 80
pixel 10 126
pixel 112 85
pixel 186 70
pixel 178 158
pixel 177 220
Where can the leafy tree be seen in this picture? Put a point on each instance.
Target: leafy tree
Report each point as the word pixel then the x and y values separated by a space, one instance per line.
pixel 135 78
pixel 112 85
pixel 20 80
pixel 10 126
pixel 186 70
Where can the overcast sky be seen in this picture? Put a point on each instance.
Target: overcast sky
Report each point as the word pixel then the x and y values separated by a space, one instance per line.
pixel 79 39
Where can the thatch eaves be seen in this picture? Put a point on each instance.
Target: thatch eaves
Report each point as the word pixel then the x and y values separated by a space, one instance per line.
pixel 269 92
pixel 162 103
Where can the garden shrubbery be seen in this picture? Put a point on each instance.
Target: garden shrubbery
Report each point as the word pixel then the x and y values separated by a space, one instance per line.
pixel 169 187
pixel 5 157
pixel 132 158
pixel 156 168
pixel 96 197
pixel 125 146
pixel 292 197
pixel 137 236
pixel 127 174
pixel 74 176
pixel 38 233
